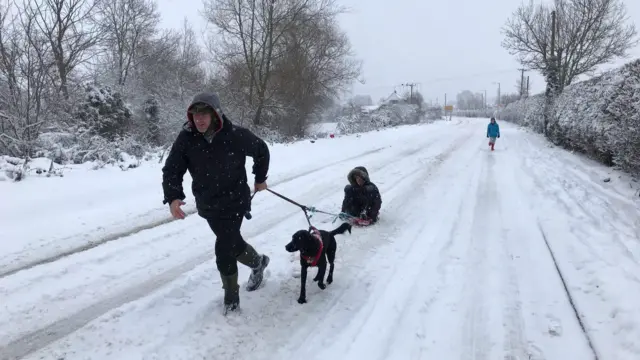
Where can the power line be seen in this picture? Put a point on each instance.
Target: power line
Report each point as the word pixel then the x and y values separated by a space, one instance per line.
pixel 435 80
pixel 472 75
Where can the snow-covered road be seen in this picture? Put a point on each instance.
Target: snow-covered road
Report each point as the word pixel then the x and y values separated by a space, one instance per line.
pixel 460 266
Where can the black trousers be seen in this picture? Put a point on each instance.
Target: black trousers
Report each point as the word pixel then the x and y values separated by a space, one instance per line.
pixel 229 242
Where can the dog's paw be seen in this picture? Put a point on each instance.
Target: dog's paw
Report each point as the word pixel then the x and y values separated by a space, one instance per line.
pixel 322 286
pixel 302 300
pixel 329 279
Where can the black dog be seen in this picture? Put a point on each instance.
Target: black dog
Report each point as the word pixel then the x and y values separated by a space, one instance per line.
pixel 313 245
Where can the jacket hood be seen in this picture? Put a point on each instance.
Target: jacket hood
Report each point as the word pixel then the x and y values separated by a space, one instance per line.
pixel 207 98
pixel 211 103
pixel 358 171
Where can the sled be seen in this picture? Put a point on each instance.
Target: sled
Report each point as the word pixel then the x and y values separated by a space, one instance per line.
pixel 359 222
pixel 355 221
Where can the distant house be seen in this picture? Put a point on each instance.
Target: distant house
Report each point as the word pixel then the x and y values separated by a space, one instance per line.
pixel 394 98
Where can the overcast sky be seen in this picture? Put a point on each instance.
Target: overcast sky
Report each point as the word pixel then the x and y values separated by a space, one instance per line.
pixel 444 46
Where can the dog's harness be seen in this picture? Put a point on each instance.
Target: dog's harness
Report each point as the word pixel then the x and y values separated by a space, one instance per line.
pixel 313 260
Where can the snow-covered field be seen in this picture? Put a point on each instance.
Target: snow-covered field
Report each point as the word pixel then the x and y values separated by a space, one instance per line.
pixel 461 264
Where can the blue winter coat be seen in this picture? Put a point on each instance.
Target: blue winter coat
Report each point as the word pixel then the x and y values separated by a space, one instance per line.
pixel 493 130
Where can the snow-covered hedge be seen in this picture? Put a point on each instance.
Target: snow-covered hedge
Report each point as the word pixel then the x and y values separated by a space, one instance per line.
pixel 599 117
pixel 527 112
pixel 384 116
pixel 481 113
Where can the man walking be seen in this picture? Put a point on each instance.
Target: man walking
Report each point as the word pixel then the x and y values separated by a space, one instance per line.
pixel 214 151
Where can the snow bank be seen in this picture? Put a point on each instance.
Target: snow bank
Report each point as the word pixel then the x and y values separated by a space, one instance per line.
pixel 599 117
pixel 319 130
pixel 16 169
pixel 62 151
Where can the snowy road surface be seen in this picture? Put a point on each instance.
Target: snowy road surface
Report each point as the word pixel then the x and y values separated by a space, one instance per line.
pixel 460 266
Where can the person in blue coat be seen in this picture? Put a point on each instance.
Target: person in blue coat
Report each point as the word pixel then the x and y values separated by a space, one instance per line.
pixel 493 132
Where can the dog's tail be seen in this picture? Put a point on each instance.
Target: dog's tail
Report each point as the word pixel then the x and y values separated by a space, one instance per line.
pixel 341 229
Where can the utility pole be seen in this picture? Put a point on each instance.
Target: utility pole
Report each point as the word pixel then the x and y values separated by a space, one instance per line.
pixel 410 85
pixel 485 99
pixel 498 92
pixel 527 86
pixel 521 82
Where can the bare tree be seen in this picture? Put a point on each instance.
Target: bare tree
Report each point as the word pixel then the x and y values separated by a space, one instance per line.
pixel 24 84
pixel 413 98
pixel 467 100
pixel 249 31
pixel 313 65
pixel 189 57
pixel 125 24
pixel 68 27
pixel 507 99
pixel 587 33
pixel 155 63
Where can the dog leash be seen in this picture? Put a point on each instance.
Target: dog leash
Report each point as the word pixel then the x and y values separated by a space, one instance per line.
pixel 305 209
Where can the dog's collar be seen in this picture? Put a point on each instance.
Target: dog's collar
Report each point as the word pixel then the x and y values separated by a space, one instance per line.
pixel 313 260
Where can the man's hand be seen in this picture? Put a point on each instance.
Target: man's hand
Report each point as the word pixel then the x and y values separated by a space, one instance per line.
pixel 176 212
pixel 259 187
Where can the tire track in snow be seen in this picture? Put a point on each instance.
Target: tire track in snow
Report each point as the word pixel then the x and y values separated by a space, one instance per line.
pixel 476 328
pixel 352 330
pixel 590 255
pixel 592 195
pixel 63 327
pixel 416 180
pixel 515 344
pixel 569 296
pixel 441 252
pixel 429 267
pixel 549 249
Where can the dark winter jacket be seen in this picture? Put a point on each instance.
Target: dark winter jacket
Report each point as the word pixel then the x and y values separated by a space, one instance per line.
pixel 216 162
pixel 368 195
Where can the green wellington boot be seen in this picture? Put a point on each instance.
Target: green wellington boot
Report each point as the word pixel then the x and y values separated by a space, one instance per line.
pixel 231 292
pixel 258 263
